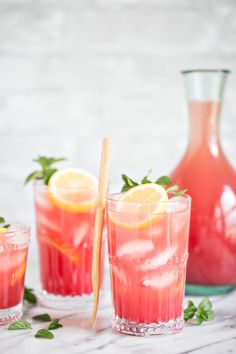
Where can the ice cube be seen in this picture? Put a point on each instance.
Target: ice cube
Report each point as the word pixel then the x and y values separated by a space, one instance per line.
pixel 176 204
pixel 81 232
pixel 160 280
pixel 160 259
pixel 136 248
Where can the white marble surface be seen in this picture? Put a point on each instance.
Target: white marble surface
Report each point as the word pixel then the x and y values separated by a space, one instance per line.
pixel 217 337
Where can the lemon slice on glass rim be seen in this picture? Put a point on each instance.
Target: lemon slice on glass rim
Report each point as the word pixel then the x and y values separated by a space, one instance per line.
pixel 139 207
pixel 73 189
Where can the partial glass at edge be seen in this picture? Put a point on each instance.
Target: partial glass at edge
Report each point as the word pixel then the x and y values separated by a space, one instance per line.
pixel 148 266
pixel 65 244
pixel 13 257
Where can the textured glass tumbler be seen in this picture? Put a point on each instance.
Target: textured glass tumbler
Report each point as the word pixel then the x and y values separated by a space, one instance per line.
pixel 148 254
pixel 13 256
pixel 65 244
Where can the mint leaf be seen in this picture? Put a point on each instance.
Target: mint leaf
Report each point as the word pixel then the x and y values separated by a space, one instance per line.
pixel 46 170
pixel 48 173
pixel 19 325
pixel 190 311
pixel 54 325
pixel 44 333
pixel 203 313
pixel 180 193
pixel 173 188
pixel 2 221
pixel 29 296
pixel 44 317
pixel 32 176
pixel 6 226
pixel 128 183
pixel 164 181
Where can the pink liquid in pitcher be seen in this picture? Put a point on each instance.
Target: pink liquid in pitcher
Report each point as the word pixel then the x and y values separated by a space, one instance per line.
pixel 211 182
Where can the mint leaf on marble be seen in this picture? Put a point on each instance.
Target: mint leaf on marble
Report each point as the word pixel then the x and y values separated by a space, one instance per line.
pixel 44 333
pixel 54 325
pixel 19 325
pixel 190 311
pixel 44 317
pixel 203 313
pixel 29 296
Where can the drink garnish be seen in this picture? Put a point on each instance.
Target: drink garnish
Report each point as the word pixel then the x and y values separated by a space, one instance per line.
pixel 20 325
pixel 44 333
pixel 139 206
pixel 5 226
pixel 54 325
pixel 29 296
pixel 44 317
pixel 73 189
pixel 200 314
pixel 163 181
pixel 46 170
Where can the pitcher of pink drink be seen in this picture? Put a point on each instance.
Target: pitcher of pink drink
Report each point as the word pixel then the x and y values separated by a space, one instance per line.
pixel 211 181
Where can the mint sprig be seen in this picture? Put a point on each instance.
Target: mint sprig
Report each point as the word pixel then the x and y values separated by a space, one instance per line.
pixel 163 181
pixel 29 296
pixel 46 170
pixel 203 313
pixel 3 221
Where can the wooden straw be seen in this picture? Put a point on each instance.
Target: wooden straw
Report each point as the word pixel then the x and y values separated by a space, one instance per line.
pixel 98 227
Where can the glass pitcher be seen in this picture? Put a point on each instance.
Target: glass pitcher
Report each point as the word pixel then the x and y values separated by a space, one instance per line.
pixel 211 182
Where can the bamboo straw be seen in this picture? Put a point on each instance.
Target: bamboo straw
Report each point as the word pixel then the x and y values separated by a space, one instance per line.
pixel 98 227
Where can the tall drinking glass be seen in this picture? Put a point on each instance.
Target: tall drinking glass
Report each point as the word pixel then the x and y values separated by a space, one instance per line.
pixel 65 242
pixel 148 254
pixel 13 256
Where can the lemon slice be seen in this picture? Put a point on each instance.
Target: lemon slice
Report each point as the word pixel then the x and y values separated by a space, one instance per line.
pixel 69 252
pixel 140 206
pixel 3 230
pixel 73 189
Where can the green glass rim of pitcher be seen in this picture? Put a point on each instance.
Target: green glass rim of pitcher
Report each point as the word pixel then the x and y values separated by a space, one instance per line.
pixel 223 71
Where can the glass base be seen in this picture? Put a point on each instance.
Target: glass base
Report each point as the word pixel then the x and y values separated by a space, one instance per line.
pixel 205 290
pixel 64 302
pixel 11 314
pixel 147 329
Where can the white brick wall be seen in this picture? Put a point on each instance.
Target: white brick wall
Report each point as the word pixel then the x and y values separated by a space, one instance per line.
pixel 72 71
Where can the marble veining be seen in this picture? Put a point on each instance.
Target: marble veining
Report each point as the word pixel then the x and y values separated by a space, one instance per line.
pixel 217 337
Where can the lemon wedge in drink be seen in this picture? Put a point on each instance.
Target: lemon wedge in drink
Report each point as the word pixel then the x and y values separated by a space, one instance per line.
pixel 3 230
pixel 73 189
pixel 139 207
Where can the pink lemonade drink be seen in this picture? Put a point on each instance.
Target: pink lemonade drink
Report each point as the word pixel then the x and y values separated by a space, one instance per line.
pixel 13 256
pixel 65 224
pixel 211 182
pixel 148 251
